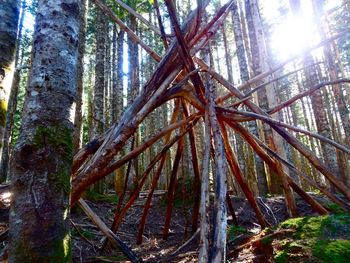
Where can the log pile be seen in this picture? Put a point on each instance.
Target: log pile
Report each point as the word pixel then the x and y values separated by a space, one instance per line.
pixel 182 76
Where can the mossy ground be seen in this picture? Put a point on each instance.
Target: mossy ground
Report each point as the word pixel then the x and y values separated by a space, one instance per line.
pixel 316 239
pixel 97 197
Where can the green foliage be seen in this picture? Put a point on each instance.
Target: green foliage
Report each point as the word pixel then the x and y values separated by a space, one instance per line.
pixel 335 209
pixel 85 233
pixel 324 238
pixel 233 231
pixel 97 197
pixel 281 257
pixel 337 251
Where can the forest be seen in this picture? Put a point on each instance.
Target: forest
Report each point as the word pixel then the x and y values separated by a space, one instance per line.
pixel 175 131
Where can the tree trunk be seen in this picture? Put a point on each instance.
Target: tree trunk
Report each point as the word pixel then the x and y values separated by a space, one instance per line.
pixel 98 109
pixel 318 106
pixel 39 217
pixel 78 118
pixel 133 85
pixel 244 74
pixel 12 103
pixel 9 13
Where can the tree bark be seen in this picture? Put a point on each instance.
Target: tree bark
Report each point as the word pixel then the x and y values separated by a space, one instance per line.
pixel 9 13
pixel 98 109
pixel 318 106
pixel 39 217
pixel 244 74
pixel 78 117
pixel 12 102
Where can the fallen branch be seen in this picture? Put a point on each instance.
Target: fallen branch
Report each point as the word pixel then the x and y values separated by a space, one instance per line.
pixel 109 234
pixel 186 243
pixel 254 241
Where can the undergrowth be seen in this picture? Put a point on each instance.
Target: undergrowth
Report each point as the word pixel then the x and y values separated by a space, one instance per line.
pixel 316 239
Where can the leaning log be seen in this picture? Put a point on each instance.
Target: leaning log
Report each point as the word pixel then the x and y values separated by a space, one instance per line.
pixel 108 233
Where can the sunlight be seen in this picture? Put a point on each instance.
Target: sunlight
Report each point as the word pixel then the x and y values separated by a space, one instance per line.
pixel 6 195
pixel 5 198
pixel 292 36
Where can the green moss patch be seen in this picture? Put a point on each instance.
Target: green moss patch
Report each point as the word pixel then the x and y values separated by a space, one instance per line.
pixel 59 137
pixel 3 111
pixel 316 239
pixel 233 231
pixel 97 197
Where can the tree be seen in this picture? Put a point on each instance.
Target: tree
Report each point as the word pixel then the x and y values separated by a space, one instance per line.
pixel 244 75
pixel 12 101
pixel 9 13
pixel 98 116
pixel 41 161
pixel 317 102
pixel 78 118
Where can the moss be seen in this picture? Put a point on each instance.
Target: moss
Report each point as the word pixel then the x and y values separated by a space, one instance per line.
pixel 3 111
pixel 85 233
pixel 306 227
pixel 61 252
pixel 335 209
pixel 267 240
pixel 61 180
pixel 58 136
pixel 281 257
pixel 59 139
pixel 336 251
pixel 94 196
pixel 320 239
pixel 233 231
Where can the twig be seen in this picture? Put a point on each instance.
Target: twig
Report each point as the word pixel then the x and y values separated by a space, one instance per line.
pixel 186 243
pixel 254 241
pixel 81 234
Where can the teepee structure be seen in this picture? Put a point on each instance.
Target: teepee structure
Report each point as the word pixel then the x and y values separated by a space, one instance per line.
pixel 188 80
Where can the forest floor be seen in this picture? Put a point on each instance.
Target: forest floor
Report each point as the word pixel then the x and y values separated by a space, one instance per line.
pixel 277 244
pixel 294 240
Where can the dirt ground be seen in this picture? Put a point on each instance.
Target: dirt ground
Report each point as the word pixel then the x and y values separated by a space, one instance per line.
pixel 87 239
pixel 155 249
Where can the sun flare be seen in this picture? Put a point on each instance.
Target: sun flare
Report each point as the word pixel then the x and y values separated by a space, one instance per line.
pixel 292 36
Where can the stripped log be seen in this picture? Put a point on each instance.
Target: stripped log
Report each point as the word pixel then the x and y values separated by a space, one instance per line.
pixel 172 187
pixel 118 217
pixel 252 141
pixel 204 200
pixel 288 194
pixel 196 172
pixel 109 234
pixel 233 163
pixel 218 250
pixel 313 159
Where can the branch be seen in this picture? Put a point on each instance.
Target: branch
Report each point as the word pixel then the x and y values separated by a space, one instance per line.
pixel 291 127
pixel 109 234
pixel 138 16
pixel 306 93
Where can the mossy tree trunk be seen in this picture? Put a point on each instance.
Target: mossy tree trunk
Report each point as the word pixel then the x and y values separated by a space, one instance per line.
pixel 12 102
pixel 42 158
pixel 9 14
